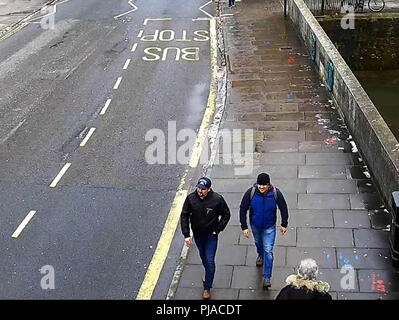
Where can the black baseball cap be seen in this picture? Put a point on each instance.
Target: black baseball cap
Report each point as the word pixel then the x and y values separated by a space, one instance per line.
pixel 204 183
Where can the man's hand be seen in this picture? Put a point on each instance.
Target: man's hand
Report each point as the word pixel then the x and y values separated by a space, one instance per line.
pixel 245 233
pixel 188 241
pixel 283 230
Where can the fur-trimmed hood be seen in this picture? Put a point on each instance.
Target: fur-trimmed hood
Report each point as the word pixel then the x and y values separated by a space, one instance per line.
pixel 312 285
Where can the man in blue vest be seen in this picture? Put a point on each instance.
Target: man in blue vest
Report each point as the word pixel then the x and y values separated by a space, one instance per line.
pixel 262 201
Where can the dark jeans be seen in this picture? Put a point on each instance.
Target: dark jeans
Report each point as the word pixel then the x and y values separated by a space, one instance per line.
pixel 207 250
pixel 231 3
pixel 264 241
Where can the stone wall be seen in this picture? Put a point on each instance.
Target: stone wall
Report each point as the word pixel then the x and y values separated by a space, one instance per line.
pixel 372 45
pixel 375 141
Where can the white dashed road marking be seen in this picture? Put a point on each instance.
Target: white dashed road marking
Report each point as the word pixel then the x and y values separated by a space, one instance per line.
pixel 59 176
pixel 118 82
pixel 126 64
pixel 23 224
pixel 91 131
pixel 104 109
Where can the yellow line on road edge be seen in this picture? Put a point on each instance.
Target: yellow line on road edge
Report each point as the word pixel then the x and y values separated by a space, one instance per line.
pixel 13 31
pixel 161 252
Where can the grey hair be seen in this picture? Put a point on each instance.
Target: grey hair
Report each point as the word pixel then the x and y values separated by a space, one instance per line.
pixel 308 269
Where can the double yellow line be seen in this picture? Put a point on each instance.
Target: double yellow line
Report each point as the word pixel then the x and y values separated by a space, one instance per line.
pixel 162 249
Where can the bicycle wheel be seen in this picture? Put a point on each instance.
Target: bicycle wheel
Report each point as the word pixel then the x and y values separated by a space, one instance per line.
pixel 376 5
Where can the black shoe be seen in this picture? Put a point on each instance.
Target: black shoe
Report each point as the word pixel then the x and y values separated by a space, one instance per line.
pixel 266 284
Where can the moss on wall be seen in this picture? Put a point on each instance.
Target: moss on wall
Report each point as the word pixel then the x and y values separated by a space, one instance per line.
pixel 372 45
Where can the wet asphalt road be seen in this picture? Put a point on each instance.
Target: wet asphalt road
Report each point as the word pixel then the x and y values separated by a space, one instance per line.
pixel 98 228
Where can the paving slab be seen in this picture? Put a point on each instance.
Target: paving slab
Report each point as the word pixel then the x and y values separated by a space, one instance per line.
pixel 322 172
pixel 320 220
pixel 192 276
pixel 361 258
pixel 310 211
pixel 275 172
pixel 226 185
pixel 280 107
pixel 279 256
pixel 325 257
pixel 367 296
pixel 324 237
pixel 323 201
pixel 227 255
pixel 326 146
pixel 279 158
pixel 277 126
pixel 354 219
pixel 250 278
pixel 371 238
pixel 257 294
pixel 335 278
pixel 379 281
pixel 284 136
pixel 281 146
pixel 196 294
pixel 331 186
pixel 288 239
pixel 365 201
pixel 229 235
pixel 231 255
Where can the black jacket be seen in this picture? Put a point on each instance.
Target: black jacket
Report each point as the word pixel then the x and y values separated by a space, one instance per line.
pixel 203 214
pixel 299 289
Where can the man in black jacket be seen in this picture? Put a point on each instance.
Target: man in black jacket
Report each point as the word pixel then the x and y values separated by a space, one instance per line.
pixel 208 214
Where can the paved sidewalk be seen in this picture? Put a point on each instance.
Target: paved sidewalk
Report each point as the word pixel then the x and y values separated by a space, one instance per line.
pixel 336 215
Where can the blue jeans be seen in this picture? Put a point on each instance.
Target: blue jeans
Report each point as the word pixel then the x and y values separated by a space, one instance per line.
pixel 207 250
pixel 264 241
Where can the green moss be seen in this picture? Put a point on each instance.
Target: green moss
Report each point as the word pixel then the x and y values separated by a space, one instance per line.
pixel 372 45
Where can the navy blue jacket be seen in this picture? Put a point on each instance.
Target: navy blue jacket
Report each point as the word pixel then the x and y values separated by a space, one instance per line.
pixel 262 209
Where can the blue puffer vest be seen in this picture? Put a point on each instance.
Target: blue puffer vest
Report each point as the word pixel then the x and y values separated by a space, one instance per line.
pixel 263 210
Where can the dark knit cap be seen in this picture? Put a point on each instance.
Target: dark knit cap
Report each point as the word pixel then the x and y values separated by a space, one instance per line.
pixel 263 179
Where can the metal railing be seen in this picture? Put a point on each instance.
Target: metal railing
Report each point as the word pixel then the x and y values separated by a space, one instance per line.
pixel 321 7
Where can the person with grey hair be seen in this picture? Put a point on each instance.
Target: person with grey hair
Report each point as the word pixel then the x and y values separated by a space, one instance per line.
pixel 304 285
